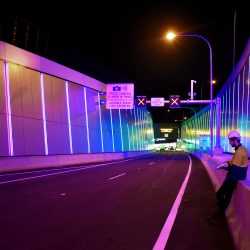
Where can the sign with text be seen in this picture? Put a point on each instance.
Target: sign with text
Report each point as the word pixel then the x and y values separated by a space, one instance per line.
pixel 157 101
pixel 120 96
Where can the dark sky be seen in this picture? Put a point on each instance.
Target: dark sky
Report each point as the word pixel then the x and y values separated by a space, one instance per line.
pixel 127 38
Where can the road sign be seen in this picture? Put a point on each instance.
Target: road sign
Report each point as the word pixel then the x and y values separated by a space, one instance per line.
pixel 174 101
pixel 141 101
pixel 120 96
pixel 157 101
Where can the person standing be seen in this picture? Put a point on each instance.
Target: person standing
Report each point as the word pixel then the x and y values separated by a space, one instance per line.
pixel 236 170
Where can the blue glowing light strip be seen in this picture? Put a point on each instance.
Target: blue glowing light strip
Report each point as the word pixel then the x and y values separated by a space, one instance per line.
pixel 229 109
pixel 136 134
pixel 233 108
pixel 121 127
pixel 143 130
pixel 242 101
pixel 128 137
pixel 69 120
pixel 112 132
pixel 248 85
pixel 87 119
pixel 100 118
pixel 248 96
pixel 222 120
pixel 238 107
pixel 227 116
pixel 141 125
pixel 8 109
pixel 44 115
pixel 132 129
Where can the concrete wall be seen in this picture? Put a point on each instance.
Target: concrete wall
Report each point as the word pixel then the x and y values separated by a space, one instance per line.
pixel 237 213
pixel 47 109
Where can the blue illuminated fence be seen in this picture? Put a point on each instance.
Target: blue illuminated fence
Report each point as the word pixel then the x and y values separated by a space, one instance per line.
pixel 234 111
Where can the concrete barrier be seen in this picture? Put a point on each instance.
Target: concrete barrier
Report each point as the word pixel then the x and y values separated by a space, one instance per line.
pixel 237 214
pixel 20 163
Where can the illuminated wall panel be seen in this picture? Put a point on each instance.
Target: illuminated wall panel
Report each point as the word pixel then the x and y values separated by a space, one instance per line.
pixel 116 130
pixel 94 124
pixel 106 129
pixel 4 149
pixel 2 89
pixel 78 118
pixel 41 114
pixel 124 116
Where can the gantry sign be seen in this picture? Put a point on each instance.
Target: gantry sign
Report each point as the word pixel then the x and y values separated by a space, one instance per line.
pixel 174 101
pixel 141 101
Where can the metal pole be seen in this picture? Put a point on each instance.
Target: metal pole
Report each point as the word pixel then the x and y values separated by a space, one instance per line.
pixel 211 87
pixel 234 38
pixel 218 111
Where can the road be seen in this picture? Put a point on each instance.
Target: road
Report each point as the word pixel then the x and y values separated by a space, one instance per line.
pixel 120 205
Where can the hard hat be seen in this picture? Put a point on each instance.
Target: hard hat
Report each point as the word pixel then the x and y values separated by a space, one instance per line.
pixel 233 134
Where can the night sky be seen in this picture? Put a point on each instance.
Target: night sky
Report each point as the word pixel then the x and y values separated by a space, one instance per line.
pixel 124 42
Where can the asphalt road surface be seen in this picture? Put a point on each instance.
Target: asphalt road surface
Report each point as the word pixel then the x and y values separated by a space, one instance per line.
pixel 123 205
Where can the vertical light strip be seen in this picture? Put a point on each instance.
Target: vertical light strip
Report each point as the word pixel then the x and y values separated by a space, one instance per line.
pixel 136 134
pixel 238 101
pixel 229 109
pixel 132 129
pixel 242 101
pixel 248 84
pixel 128 137
pixel 44 115
pixel 8 108
pixel 121 128
pixel 140 127
pixel 100 118
pixel 69 120
pixel 233 108
pixel 222 120
pixel 87 118
pixel 227 116
pixel 112 132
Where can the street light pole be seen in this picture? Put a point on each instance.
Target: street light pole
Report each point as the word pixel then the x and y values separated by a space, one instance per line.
pixel 234 39
pixel 171 36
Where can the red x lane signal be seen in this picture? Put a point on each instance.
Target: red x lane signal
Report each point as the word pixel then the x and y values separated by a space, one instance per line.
pixel 141 101
pixel 174 101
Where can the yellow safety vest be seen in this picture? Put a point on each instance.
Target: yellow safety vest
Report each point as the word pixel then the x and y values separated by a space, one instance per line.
pixel 240 157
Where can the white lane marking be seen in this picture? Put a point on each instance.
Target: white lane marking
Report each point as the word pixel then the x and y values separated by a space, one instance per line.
pixel 117 176
pixel 151 163
pixel 165 232
pixel 71 170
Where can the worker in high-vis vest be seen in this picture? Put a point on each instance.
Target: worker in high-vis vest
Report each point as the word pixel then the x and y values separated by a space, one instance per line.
pixel 236 170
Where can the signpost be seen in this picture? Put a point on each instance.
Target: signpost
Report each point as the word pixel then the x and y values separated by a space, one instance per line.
pixel 120 96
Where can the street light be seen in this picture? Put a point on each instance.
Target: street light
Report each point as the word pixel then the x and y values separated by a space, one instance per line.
pixel 171 36
pixel 202 84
